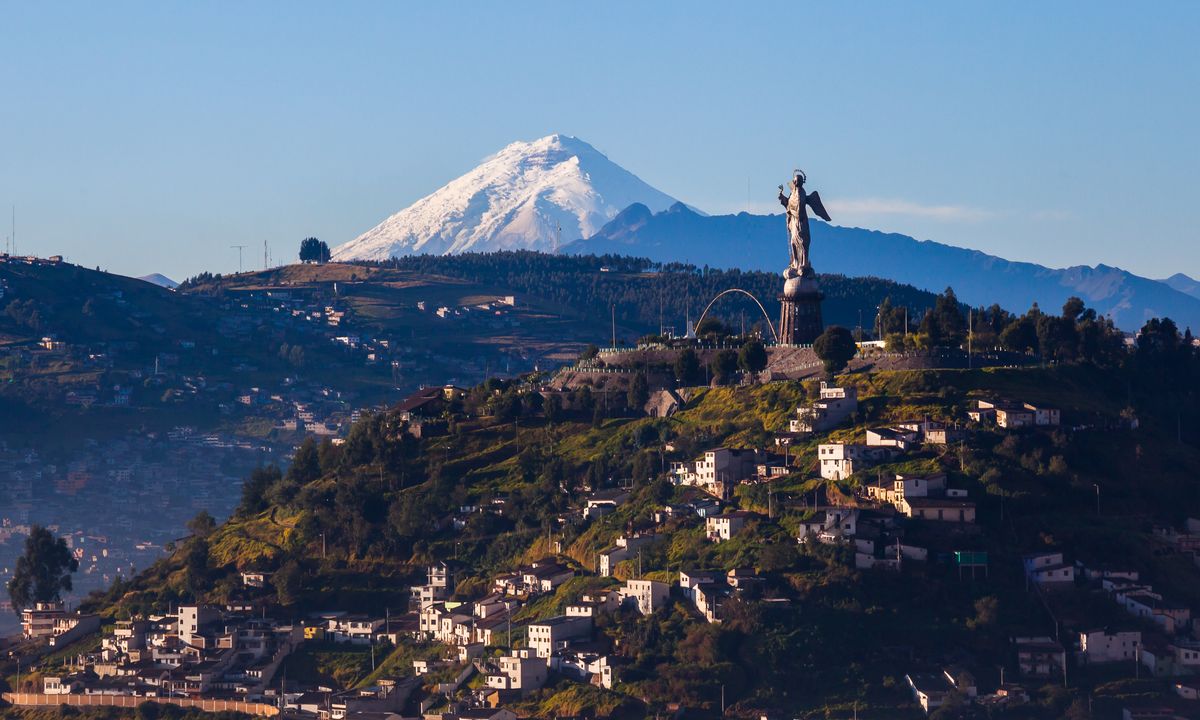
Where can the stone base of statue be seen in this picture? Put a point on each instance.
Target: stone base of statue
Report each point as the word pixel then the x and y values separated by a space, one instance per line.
pixel 800 316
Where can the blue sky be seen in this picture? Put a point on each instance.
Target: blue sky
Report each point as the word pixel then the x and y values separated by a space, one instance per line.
pixel 150 137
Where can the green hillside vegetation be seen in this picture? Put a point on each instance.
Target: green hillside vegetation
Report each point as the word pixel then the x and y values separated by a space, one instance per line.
pixel 381 506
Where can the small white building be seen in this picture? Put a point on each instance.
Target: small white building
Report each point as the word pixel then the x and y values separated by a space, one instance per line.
pixel 522 670
pixel 547 636
pixel 646 595
pixel 1103 646
pixel 625 548
pixel 838 461
pixel 1048 569
pixel 724 526
pixel 833 407
pixel 893 437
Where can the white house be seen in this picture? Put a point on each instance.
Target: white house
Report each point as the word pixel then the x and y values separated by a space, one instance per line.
pixel 1048 570
pixel 602 502
pixel 522 670
pixel 838 461
pixel 625 548
pixel 1040 656
pixel 1102 646
pixel 718 470
pixel 355 629
pixel 894 437
pixel 709 598
pixel 690 580
pixel 928 690
pixel 1171 617
pixel 831 409
pixel 546 636
pixel 724 526
pixel 647 595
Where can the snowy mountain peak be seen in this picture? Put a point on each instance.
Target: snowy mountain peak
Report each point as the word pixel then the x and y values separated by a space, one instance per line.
pixel 515 199
pixel 160 280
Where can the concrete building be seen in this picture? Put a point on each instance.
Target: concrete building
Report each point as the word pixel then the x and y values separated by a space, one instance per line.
pixel 546 636
pixel 522 670
pixel 833 407
pixel 1049 569
pixel 838 461
pixel 1104 646
pixel 646 595
pixel 724 526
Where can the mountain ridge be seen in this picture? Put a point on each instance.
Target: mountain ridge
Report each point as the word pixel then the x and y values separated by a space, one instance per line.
pixel 756 242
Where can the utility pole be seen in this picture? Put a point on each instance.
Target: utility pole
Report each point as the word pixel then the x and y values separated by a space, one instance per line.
pixel 613 308
pixel 239 249
pixel 970 332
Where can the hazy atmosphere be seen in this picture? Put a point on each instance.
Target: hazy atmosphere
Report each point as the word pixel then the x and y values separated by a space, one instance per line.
pixel 151 137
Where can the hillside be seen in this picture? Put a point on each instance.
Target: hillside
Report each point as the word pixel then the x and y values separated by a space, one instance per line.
pixel 757 242
pixel 646 295
pixel 353 528
pixel 126 408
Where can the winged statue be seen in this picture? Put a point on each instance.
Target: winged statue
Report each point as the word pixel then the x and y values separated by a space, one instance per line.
pixel 797 204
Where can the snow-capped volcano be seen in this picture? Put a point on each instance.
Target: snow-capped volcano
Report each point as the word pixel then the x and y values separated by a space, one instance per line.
pixel 516 199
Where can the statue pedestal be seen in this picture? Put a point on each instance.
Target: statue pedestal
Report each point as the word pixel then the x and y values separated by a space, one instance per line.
pixel 800 315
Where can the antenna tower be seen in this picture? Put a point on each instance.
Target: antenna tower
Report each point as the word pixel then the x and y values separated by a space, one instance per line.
pixel 239 249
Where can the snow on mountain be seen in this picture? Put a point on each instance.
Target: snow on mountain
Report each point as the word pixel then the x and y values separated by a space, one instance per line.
pixel 160 280
pixel 515 199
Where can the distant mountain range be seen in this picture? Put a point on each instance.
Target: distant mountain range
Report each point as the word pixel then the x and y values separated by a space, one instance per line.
pixel 560 194
pixel 758 242
pixel 1184 284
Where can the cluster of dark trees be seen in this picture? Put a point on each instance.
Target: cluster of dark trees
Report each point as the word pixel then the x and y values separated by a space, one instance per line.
pixel 313 250
pixel 1078 334
pixel 27 313
pixel 642 293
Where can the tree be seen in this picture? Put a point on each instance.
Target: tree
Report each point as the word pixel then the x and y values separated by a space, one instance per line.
pixel 287 582
pixel 306 463
pixel 687 367
pixel 723 365
pixel 944 325
pixel 314 250
pixel 43 572
pixel 711 327
pixel 752 358
pixel 254 490
pixel 890 319
pixel 639 392
pixel 552 408
pixel 835 347
pixel 202 525
pixel 1073 308
pixel 1020 335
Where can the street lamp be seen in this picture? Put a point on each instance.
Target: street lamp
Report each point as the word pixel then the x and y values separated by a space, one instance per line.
pixel 1097 498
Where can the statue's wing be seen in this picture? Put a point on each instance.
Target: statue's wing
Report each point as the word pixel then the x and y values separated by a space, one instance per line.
pixel 814 202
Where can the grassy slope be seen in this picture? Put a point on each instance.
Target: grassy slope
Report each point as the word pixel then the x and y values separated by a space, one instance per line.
pixel 899 609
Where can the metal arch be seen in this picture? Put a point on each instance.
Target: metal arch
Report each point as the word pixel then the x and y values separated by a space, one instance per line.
pixel 747 294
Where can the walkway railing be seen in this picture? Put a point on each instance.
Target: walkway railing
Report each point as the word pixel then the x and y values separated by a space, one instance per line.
pixel 132 701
